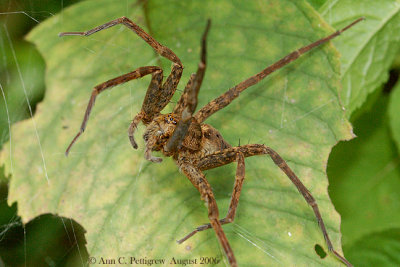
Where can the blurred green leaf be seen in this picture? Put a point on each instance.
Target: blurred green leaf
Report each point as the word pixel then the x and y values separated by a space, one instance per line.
pixel 365 178
pixel 21 81
pixel 394 114
pixel 369 49
pixel 396 61
pixel 131 207
pixel 364 173
pixel 376 249
pixel 316 3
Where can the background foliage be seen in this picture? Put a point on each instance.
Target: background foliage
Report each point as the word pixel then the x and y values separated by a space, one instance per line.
pixel 363 173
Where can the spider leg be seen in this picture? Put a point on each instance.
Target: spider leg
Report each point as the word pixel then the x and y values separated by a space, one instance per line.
pixel 157 96
pixel 159 48
pixel 138 73
pixel 178 109
pixel 132 128
pixel 168 88
pixel 227 97
pixel 200 182
pixel 237 188
pixel 188 101
pixel 228 155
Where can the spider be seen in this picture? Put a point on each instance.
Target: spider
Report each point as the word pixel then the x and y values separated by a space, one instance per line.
pixel 182 134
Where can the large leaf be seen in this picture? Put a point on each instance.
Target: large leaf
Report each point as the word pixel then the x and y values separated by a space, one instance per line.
pixel 377 249
pixel 20 83
pixel 365 179
pixel 131 207
pixel 363 173
pixel 368 53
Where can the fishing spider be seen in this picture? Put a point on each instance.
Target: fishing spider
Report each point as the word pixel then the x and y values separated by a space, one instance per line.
pixel 194 145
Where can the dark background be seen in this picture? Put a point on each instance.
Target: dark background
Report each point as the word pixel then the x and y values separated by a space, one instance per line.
pixel 48 240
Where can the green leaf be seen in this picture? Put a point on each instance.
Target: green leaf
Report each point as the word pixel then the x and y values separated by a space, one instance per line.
pixel 369 49
pixel 316 3
pixel 394 115
pixel 364 178
pixel 131 207
pixel 377 249
pixel 20 82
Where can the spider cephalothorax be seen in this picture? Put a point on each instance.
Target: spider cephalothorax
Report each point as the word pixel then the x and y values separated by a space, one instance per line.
pixel 157 134
pixel 200 140
pixel 196 146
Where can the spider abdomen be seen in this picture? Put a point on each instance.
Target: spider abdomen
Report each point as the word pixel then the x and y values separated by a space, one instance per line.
pixel 200 139
pixel 212 140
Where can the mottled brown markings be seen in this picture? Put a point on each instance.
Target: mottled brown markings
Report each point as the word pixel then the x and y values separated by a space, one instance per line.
pixel 152 95
pixel 157 96
pixel 138 73
pixel 132 128
pixel 169 87
pixel 193 138
pixel 237 188
pixel 178 109
pixel 226 98
pixel 190 100
pixel 230 155
pixel 193 145
pixel 200 182
pixel 213 140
